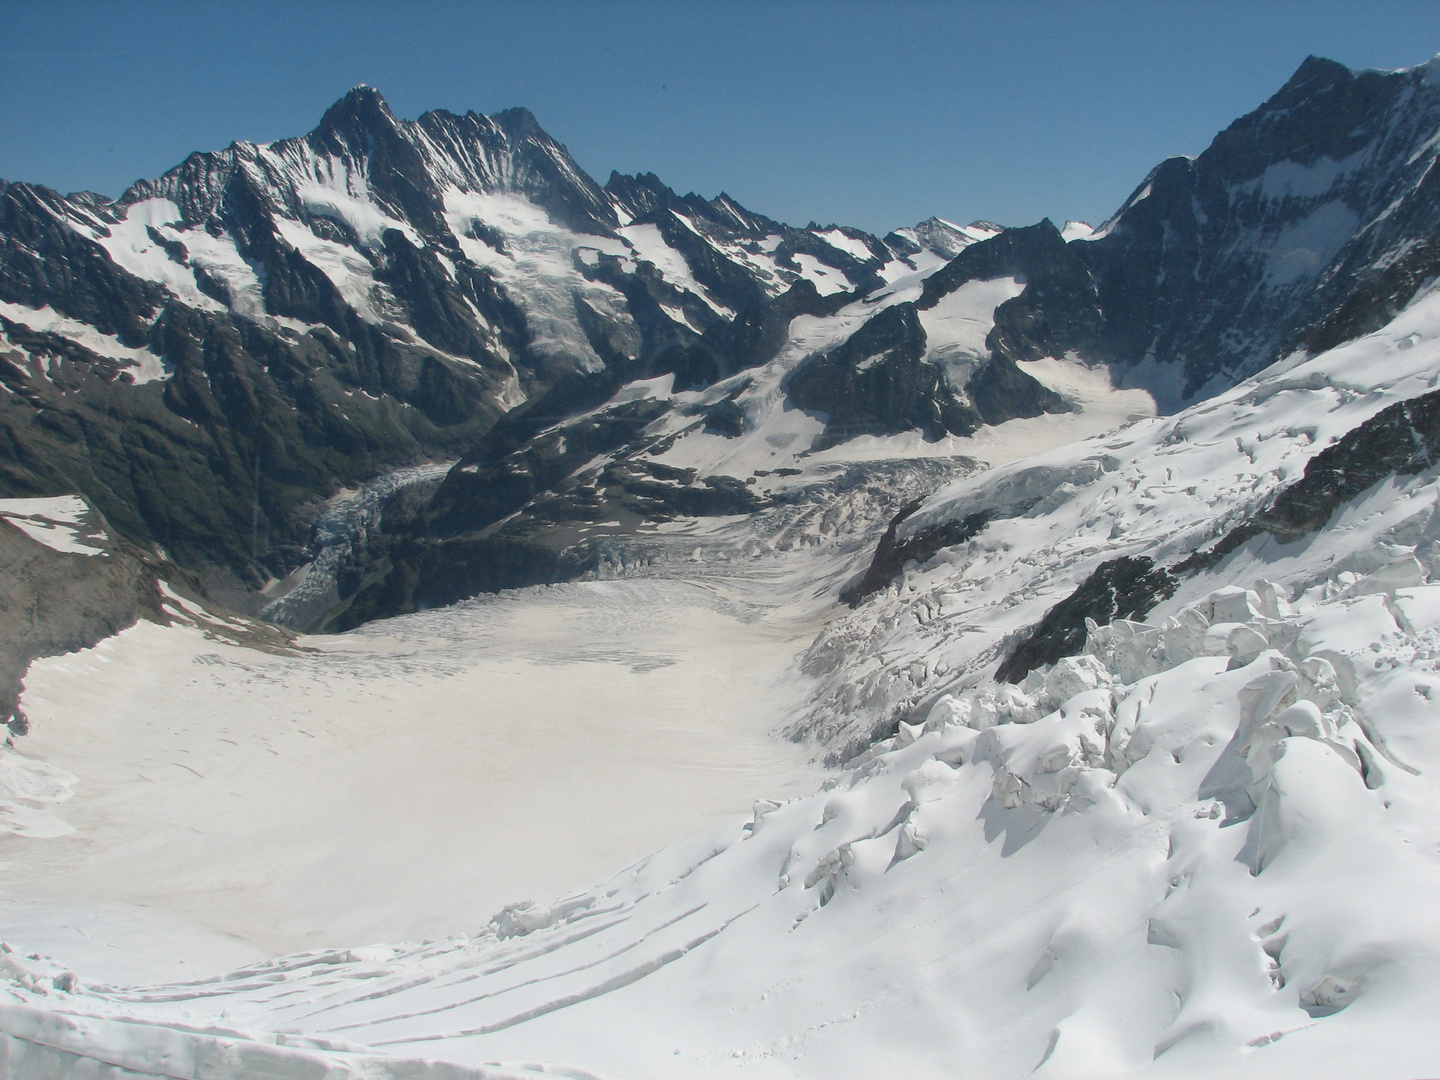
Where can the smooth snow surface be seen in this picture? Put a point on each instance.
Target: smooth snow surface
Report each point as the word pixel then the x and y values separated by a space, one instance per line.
pixel 956 327
pixel 539 263
pixel 29 793
pixel 651 247
pixel 409 779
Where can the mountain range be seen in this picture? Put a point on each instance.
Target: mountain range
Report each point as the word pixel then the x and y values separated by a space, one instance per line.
pixel 218 355
pixel 1095 569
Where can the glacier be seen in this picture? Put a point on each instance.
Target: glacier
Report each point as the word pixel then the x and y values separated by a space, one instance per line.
pixel 1203 844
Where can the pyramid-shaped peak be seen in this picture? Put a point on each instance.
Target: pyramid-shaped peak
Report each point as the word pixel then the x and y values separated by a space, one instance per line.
pixel 1314 74
pixel 520 123
pixel 362 109
pixel 364 95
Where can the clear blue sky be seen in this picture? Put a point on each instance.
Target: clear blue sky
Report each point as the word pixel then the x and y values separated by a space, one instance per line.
pixel 876 115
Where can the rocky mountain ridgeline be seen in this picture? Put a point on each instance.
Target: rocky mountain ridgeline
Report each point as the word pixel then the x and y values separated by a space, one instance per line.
pixel 216 354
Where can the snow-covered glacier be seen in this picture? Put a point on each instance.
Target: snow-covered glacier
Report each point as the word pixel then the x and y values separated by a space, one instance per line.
pixel 893 691
pixel 1203 843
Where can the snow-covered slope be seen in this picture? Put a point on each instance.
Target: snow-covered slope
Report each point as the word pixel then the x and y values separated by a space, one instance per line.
pixel 1306 222
pixel 1160 488
pixel 914 369
pixel 1202 843
pixel 1130 722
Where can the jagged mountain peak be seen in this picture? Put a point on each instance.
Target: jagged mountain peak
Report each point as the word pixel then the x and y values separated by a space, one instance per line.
pixel 1316 72
pixel 361 112
pixel 1308 216
pixel 644 194
pixel 943 237
pixel 519 123
pixel 472 265
pixel 360 97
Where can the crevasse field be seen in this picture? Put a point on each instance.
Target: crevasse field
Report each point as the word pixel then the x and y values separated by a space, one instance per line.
pixel 1209 844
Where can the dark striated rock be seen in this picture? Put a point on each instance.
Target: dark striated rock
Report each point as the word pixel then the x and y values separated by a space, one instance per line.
pixel 482 488
pixel 891 555
pixel 259 420
pixel 725 418
pixel 1286 231
pixel 1001 391
pixel 875 383
pixel 1059 310
pixel 1123 588
pixel 754 337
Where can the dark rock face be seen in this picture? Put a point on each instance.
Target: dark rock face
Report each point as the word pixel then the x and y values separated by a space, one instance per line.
pixel 484 487
pixel 938 236
pixel 752 338
pixel 54 602
pixel 332 307
pixel 1123 588
pixel 1057 313
pixel 530 505
pixel 1001 391
pixel 876 383
pixel 44 262
pixel 1297 226
pixel 891 555
pixel 219 463
pixel 320 320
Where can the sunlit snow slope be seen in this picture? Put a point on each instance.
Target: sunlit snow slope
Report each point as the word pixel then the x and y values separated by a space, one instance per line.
pixel 1204 845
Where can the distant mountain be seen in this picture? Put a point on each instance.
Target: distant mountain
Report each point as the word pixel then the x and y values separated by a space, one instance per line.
pixel 1136 745
pixel 218 351
pixel 216 357
pixel 1309 221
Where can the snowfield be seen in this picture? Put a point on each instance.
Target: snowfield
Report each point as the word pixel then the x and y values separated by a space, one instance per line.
pixel 1208 844
pixel 408 780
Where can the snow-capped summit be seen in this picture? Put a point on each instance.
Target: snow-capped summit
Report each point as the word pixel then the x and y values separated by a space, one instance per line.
pixel 288 320
pixel 366 296
pixel 1145 787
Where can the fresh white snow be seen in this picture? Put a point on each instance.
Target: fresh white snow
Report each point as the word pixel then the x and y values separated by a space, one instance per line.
pixel 539 264
pixel 412 778
pixel 650 246
pixel 956 327
pixel 61 522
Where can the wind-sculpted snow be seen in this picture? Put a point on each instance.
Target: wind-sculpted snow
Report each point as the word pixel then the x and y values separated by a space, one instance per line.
pixel 1130 740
